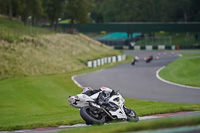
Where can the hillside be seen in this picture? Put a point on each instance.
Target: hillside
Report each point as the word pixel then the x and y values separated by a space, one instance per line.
pixel 45 53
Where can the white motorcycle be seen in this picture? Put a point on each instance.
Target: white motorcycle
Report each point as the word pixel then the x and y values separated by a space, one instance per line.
pixel 104 106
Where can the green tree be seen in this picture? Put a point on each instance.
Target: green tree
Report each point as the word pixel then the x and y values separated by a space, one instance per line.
pixel 147 10
pixel 54 10
pixel 78 11
pixel 128 10
pixel 174 11
pixel 195 10
pixel 31 8
pixel 96 13
pixel 6 7
pixel 23 8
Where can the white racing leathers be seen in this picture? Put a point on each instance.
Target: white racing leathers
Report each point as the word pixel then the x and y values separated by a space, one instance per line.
pixel 102 106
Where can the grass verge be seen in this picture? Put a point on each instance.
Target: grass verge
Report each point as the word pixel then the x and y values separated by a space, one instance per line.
pixel 41 101
pixel 184 70
pixel 139 126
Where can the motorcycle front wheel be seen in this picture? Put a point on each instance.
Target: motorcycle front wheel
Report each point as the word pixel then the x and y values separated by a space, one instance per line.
pixel 131 115
pixel 92 116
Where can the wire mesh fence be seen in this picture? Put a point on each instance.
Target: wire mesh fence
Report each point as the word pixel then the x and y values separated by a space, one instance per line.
pixel 141 41
pixel 154 41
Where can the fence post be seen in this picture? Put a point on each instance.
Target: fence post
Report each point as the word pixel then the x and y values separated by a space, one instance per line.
pixel 114 59
pixel 149 47
pixel 106 60
pixel 89 63
pixel 102 61
pixel 98 62
pixel 137 47
pixel 95 63
pixel 119 58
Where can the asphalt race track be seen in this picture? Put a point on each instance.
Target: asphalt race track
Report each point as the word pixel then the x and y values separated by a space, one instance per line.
pixel 139 81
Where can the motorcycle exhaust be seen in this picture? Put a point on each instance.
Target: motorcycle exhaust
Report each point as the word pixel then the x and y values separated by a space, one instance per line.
pixel 97 106
pixel 108 114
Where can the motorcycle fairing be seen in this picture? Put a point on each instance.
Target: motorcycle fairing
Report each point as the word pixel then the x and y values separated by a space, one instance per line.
pixel 120 113
pixel 83 100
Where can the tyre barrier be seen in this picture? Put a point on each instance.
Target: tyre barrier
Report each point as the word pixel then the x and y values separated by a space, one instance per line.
pixel 102 61
pixel 147 47
pixel 158 47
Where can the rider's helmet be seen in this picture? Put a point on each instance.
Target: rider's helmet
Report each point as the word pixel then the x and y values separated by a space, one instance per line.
pixel 85 89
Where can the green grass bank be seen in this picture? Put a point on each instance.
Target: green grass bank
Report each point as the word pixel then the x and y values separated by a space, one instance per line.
pixel 41 101
pixel 184 70
pixel 43 53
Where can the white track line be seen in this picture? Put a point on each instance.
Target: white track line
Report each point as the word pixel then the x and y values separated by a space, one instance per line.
pixel 76 125
pixel 149 117
pixel 180 85
pixel 79 85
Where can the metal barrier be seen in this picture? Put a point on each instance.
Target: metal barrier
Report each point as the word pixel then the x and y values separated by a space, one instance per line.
pixel 159 47
pixel 102 61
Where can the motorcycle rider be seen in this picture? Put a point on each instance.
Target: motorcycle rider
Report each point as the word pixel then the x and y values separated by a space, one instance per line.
pixel 103 96
pixel 96 105
pixel 89 91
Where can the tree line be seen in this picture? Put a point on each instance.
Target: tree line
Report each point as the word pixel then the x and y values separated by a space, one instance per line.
pixel 50 10
pixel 96 11
pixel 147 11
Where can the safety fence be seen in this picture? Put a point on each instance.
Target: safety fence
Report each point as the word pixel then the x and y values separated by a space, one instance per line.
pixel 147 47
pixel 102 61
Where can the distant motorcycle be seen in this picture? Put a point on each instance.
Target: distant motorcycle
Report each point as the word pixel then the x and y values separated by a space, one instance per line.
pixel 133 62
pixel 104 106
pixel 135 59
pixel 149 58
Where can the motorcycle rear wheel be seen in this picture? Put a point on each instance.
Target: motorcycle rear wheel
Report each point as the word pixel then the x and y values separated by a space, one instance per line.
pixel 91 118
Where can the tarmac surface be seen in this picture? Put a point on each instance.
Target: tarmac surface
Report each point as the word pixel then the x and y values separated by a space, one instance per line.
pixel 139 81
